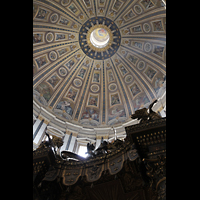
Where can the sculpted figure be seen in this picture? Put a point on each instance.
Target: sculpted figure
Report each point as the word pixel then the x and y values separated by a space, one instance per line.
pixel 146 114
pixel 90 148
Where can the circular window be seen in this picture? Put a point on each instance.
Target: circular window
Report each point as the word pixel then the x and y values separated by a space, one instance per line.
pixel 99 37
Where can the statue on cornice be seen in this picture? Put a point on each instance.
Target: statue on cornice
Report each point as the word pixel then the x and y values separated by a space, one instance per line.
pixel 45 144
pixel 146 114
pixel 100 150
pixel 90 148
pixel 55 142
pixel 104 148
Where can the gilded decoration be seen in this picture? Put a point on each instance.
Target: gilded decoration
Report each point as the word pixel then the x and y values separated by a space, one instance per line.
pixel 112 158
pixel 70 176
pixel 106 27
pixel 69 71
pixel 93 173
pixel 118 166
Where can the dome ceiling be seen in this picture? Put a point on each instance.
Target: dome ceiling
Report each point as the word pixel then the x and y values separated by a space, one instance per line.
pixel 95 62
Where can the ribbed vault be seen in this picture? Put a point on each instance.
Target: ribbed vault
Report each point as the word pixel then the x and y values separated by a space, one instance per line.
pixel 98 87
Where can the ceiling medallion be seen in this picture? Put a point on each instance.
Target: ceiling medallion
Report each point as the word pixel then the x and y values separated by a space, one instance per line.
pixel 99 38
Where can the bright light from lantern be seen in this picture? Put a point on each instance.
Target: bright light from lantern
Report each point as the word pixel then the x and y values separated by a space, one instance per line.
pixel 99 37
pixel 82 150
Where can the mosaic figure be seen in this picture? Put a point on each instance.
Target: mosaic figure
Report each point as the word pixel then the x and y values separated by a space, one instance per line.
pixel 42 14
pixel 114 99
pixel 44 90
pixel 37 38
pixel 93 100
pixel 53 80
pixel 66 106
pixel 72 93
pixel 135 89
pixel 82 72
pixel 41 61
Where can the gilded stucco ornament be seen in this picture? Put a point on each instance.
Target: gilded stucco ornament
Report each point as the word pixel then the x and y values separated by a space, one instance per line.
pixel 97 85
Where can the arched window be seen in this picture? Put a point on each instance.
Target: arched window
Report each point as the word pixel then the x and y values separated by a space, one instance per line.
pixel 82 151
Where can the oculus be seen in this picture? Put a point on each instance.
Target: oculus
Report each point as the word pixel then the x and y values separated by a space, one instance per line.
pixel 99 38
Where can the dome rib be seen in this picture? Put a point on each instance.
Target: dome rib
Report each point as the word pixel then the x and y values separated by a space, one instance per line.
pixel 90 88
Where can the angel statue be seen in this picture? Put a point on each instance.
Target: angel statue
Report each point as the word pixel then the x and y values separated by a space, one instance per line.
pixel 146 114
pixel 90 148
